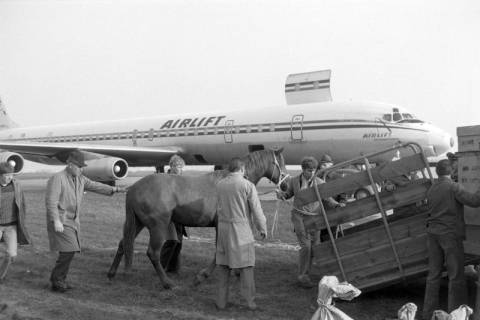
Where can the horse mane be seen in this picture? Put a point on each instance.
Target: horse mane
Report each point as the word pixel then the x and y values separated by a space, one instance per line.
pixel 256 163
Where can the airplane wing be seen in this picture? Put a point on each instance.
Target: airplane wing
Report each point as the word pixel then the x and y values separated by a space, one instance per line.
pixel 54 153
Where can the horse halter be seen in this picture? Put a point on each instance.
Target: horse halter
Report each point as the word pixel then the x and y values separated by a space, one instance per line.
pixel 282 175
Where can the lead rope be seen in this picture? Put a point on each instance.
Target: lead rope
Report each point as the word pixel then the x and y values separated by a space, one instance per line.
pixel 275 220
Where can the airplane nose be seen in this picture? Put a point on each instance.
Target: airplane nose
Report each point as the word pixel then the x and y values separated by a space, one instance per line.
pixel 441 141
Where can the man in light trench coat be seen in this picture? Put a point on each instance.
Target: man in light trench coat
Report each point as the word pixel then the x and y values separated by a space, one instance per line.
pixel 63 198
pixel 238 203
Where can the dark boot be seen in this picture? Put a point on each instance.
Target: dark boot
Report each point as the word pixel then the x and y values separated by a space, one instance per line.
pixel 7 261
pixel 60 271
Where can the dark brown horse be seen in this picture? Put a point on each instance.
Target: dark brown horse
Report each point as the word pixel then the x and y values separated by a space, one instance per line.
pixel 156 200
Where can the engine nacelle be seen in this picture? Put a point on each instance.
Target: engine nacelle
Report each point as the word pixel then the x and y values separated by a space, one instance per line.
pixel 106 169
pixel 15 160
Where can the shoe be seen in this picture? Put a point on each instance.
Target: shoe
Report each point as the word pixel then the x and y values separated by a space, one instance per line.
pixel 305 282
pixel 252 306
pixel 60 287
pixel 220 308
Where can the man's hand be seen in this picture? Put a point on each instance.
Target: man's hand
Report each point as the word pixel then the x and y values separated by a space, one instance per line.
pixel 58 226
pixel 280 194
pixel 263 235
pixel 121 189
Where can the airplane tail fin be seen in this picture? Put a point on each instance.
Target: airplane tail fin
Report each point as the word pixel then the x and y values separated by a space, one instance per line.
pixel 5 121
pixel 308 87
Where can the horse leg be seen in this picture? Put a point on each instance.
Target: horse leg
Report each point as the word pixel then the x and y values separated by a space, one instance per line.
pixel 207 272
pixel 120 252
pixel 153 253
pixel 204 273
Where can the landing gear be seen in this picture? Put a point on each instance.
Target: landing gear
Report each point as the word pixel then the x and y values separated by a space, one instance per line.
pixel 160 169
pixel 218 167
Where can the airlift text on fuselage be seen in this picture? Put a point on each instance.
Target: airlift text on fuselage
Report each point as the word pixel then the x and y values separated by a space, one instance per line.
pixel 191 123
pixel 375 135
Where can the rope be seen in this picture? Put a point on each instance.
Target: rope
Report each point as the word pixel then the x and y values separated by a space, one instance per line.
pixel 275 220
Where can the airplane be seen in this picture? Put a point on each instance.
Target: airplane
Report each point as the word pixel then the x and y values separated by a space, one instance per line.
pixel 310 124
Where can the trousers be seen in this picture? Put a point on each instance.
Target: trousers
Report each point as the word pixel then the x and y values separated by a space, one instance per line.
pixel 62 265
pixel 306 239
pixel 247 285
pixel 448 249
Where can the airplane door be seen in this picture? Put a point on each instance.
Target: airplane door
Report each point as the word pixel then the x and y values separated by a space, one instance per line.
pixel 134 137
pixel 296 128
pixel 228 133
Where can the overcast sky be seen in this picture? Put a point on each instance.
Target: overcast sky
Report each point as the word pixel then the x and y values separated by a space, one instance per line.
pixel 74 61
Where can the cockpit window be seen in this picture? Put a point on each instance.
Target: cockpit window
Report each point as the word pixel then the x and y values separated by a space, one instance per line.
pixel 387 117
pixel 397 116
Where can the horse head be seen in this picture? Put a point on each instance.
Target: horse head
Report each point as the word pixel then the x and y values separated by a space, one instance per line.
pixel 266 163
pixel 279 174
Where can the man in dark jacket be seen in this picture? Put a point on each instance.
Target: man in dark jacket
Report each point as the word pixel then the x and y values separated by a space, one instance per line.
pixel 445 235
pixel 12 216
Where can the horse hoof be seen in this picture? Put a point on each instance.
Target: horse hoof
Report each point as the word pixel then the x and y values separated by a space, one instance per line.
pixel 110 276
pixel 200 277
pixel 168 286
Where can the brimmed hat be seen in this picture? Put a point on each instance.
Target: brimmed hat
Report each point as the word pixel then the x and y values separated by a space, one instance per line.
pixel 326 158
pixel 77 157
pixel 5 168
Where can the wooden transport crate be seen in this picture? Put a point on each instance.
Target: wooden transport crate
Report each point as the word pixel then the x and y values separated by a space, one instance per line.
pixel 380 252
pixel 468 138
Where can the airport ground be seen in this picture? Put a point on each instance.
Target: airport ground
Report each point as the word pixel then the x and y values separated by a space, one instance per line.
pixel 25 293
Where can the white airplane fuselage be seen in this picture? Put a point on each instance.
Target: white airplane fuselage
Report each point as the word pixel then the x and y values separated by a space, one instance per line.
pixel 343 130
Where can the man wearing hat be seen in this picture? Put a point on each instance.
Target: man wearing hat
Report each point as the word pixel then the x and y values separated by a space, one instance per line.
pixel 63 199
pixel 170 253
pixel 12 216
pixel 303 214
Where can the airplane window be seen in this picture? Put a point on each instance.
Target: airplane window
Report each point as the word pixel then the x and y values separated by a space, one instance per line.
pixel 272 127
pixel 397 116
pixel 195 132
pixel 259 128
pixel 387 117
pixel 249 129
pixel 407 116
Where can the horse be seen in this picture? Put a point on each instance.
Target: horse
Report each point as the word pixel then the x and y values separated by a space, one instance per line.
pixel 159 199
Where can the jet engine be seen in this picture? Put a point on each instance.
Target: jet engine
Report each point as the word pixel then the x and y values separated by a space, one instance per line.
pixel 106 169
pixel 15 160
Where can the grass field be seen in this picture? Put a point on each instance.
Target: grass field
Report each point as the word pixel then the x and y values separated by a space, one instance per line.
pixel 25 293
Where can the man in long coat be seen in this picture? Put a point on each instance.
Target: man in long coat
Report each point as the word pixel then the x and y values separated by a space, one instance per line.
pixel 238 203
pixel 12 216
pixel 63 199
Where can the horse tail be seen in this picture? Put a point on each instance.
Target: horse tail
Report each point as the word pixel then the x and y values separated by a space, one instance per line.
pixel 129 233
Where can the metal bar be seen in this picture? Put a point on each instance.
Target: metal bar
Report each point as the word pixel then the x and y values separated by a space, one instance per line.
pixel 384 217
pixel 398 145
pixel 332 239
